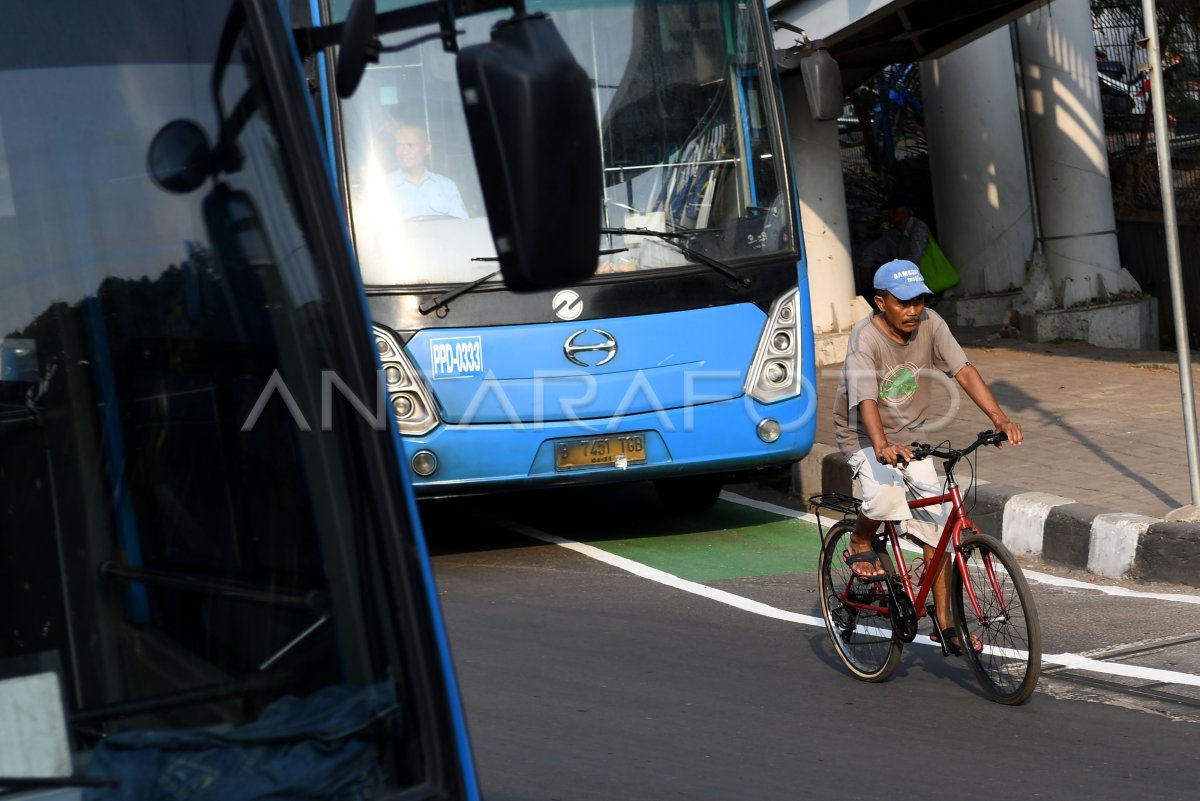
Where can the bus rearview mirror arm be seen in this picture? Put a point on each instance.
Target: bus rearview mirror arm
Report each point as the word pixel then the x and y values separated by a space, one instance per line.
pixel 821 74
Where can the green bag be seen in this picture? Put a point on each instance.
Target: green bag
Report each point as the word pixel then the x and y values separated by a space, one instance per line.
pixel 937 270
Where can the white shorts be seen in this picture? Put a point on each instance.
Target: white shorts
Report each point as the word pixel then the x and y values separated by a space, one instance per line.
pixel 886 491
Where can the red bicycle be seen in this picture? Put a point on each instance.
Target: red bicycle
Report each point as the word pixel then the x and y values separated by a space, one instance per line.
pixel 870 620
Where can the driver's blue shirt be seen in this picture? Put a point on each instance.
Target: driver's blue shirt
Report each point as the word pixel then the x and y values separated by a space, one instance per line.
pixel 434 195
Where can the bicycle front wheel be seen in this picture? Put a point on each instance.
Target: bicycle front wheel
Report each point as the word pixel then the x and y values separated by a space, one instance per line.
pixel 1001 617
pixel 855 611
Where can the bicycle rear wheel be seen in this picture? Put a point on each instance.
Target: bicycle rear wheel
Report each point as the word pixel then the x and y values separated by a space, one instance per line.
pixel 1007 624
pixel 855 612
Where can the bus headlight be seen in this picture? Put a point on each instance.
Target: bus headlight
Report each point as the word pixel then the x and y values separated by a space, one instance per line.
pixel 410 401
pixel 775 373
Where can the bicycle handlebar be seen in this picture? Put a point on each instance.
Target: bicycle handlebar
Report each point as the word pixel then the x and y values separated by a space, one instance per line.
pixel 922 450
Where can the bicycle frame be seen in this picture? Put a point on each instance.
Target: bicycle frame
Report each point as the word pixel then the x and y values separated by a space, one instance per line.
pixel 951 534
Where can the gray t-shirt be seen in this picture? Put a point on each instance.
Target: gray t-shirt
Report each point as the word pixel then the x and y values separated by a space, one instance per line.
pixel 899 377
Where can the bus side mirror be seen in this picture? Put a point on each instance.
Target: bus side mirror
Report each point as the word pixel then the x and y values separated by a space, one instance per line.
pixel 535 136
pixel 821 73
pixel 822 83
pixel 179 159
pixel 358 46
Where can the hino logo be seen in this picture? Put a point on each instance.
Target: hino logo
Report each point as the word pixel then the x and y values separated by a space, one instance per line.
pixel 608 347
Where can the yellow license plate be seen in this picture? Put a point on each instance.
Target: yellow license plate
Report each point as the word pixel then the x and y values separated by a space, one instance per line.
pixel 616 450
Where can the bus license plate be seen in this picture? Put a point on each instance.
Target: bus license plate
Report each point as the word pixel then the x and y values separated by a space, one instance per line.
pixel 616 450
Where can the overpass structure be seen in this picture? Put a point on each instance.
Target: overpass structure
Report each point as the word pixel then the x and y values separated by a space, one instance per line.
pixel 1017 160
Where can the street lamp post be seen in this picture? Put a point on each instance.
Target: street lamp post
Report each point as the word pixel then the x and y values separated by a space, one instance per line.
pixel 1162 144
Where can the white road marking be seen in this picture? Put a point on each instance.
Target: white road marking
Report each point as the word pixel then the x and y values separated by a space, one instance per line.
pixel 663 577
pixel 1122 592
pixel 1072 661
pixel 1032 575
pixel 782 511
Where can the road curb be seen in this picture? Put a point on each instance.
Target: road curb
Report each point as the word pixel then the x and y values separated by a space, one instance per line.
pixel 1059 530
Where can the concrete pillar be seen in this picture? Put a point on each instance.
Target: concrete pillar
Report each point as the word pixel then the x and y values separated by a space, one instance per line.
pixel 819 185
pixel 977 167
pixel 1070 156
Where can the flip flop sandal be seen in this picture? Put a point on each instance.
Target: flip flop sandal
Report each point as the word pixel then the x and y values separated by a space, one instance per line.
pixel 863 556
pixel 951 633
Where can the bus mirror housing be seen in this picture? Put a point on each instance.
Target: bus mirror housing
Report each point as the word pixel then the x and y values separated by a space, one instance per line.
pixel 358 45
pixel 179 159
pixel 822 83
pixel 533 129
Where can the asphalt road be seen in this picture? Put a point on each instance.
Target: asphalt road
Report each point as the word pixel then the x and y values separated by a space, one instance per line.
pixel 583 680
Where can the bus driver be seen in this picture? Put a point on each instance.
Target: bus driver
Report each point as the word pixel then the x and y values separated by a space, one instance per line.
pixel 417 191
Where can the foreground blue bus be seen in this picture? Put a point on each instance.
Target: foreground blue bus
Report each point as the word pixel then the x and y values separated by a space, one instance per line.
pixel 687 359
pixel 212 577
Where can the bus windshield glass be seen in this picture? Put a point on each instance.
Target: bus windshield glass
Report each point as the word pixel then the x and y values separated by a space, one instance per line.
pixel 197 583
pixel 684 124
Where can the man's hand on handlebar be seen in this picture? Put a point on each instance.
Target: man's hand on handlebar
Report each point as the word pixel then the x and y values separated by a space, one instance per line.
pixel 894 455
pixel 1011 430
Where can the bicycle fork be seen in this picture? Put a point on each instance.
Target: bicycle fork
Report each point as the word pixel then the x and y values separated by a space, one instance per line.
pixel 990 570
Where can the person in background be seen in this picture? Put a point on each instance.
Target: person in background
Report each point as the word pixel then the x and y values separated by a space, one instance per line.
pixel 904 237
pixel 914 233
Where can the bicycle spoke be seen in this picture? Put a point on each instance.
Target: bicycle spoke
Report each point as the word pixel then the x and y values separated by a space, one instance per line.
pixel 996 607
pixel 855 612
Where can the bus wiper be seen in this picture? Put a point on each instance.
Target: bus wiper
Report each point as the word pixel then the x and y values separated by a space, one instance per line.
pixel 670 238
pixel 444 300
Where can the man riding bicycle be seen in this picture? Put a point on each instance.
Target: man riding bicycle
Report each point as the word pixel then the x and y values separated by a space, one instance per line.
pixel 883 401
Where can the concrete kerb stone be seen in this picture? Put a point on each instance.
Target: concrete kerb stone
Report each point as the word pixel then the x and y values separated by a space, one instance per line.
pixel 1114 543
pixel 1024 526
pixel 1070 543
pixel 1056 529
pixel 1169 551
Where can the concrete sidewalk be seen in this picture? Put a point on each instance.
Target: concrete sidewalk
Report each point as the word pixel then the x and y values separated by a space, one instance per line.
pixel 1101 478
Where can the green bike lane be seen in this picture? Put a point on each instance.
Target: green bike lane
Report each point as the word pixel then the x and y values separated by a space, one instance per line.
pixel 731 541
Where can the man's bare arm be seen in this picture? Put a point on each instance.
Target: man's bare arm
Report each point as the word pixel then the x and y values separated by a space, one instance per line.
pixel 977 390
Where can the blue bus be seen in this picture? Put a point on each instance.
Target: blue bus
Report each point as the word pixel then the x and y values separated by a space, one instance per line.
pixel 213 583
pixel 687 359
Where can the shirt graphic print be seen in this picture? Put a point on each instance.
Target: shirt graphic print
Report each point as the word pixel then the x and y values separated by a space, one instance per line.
pixel 900 384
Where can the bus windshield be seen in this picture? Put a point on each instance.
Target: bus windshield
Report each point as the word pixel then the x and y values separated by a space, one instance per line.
pixel 205 579
pixel 685 130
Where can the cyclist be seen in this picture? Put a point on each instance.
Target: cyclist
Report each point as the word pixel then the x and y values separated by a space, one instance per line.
pixel 884 401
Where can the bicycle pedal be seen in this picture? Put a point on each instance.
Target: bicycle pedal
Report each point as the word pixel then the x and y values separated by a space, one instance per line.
pixel 938 637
